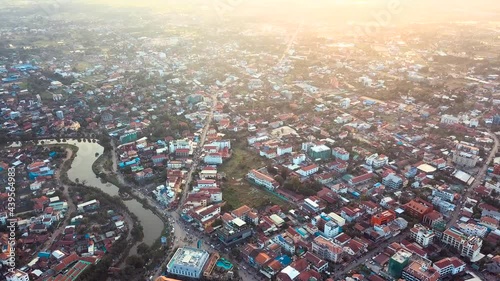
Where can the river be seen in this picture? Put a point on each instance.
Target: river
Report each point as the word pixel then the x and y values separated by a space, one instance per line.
pixel 81 168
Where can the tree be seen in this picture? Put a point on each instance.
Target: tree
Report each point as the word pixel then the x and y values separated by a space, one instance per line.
pixel 135 261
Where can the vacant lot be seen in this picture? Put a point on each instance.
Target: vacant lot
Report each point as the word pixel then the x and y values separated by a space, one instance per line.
pixel 237 190
pixel 240 163
pixel 237 193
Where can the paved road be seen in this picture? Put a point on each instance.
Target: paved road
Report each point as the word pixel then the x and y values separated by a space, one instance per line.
pixel 180 230
pixel 71 206
pixel 339 271
pixel 477 181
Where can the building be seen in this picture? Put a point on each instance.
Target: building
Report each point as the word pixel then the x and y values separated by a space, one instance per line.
pixel 377 161
pixel 467 246
pixel 392 181
pixel 471 229
pixel 422 235
pixel 418 208
pixel 340 153
pixel 449 119
pixel 420 271
pixel 398 262
pixel 188 262
pixel 286 242
pixel 383 218
pixel 233 232
pixel 17 275
pixel 327 249
pixel 91 205
pixel 321 152
pixel 263 179
pixel 60 114
pixel 433 218
pixel 465 154
pixel 128 136
pixel 308 170
pixel 449 266
pixel 213 158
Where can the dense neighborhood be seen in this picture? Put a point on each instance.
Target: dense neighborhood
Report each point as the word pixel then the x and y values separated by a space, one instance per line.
pixel 264 156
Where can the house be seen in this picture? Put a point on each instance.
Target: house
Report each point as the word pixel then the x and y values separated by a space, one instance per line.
pixel 418 208
pixel 308 170
pixel 262 179
pixel 449 266
pixel 364 178
pixel 327 249
pixel 369 207
pixel 350 214
pixel 213 158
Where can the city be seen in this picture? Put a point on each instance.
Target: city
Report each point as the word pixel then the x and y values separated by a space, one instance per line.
pixel 239 140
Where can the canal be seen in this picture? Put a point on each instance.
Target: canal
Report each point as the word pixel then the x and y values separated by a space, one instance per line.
pixel 81 168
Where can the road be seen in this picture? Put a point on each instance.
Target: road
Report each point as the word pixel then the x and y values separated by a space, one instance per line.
pixel 477 181
pixel 71 205
pixel 180 230
pixel 361 260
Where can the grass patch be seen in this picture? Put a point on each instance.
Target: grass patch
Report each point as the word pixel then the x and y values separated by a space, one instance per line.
pixel 243 193
pixel 240 163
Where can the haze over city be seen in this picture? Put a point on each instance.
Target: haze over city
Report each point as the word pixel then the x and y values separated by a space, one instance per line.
pixel 286 140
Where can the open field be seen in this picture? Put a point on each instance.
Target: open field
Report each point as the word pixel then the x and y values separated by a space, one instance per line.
pixel 240 163
pixel 238 191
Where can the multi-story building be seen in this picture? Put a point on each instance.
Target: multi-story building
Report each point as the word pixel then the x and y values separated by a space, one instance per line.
pixel 263 179
pixel 398 262
pixel 471 229
pixel 322 152
pixel 213 158
pixel 327 249
pixel 233 232
pixel 449 266
pixel 392 181
pixel 465 154
pixel 285 149
pixel 377 161
pixel 420 271
pixel 285 242
pixel 468 246
pixel 433 218
pixel 449 119
pixel 418 208
pixel 383 217
pixel 17 275
pixel 188 262
pixel 422 235
pixel 308 170
pixel 444 193
pixel 340 153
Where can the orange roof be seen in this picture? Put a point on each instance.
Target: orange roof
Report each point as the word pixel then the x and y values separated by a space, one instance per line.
pixel 163 278
pixel 262 258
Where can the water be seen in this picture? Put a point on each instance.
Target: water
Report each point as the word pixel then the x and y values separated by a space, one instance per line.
pixel 81 168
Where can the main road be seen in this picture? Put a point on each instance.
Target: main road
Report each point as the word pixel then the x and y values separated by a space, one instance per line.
pixel 174 216
pixel 477 181
pixel 367 256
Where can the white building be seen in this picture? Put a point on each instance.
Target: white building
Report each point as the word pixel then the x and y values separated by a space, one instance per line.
pixel 308 170
pixel 449 119
pixel 449 266
pixel 281 150
pixel 471 229
pixel 188 262
pixel 422 235
pixel 263 179
pixel 60 114
pixel 213 159
pixel 377 161
pixel 392 181
pixel 340 153
pixel 299 158
pixel 17 275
